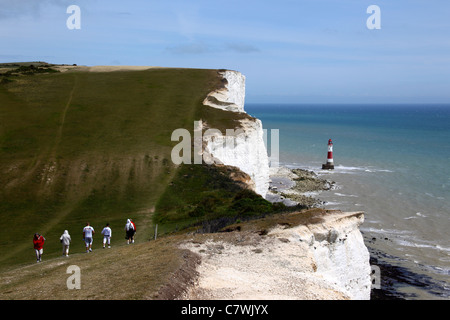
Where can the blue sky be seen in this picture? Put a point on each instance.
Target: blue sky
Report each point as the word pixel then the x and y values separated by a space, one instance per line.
pixel 312 51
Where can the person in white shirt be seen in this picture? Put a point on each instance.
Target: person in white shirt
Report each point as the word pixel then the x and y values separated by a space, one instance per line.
pixel 65 240
pixel 107 234
pixel 88 237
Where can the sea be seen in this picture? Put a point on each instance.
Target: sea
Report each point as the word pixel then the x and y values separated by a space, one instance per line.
pixel 393 163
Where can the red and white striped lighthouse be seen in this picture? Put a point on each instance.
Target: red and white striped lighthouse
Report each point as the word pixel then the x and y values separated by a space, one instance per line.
pixel 330 164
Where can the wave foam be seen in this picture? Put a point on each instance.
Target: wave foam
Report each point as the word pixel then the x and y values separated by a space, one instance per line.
pixel 415 244
pixel 350 169
pixel 418 215
pixel 345 195
pixel 387 231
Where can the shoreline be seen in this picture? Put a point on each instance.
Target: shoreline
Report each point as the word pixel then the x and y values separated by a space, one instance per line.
pixel 297 187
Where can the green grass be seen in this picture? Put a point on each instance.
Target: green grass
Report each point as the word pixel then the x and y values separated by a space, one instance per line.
pixel 8 72
pixel 78 146
pixel 134 272
pixel 201 194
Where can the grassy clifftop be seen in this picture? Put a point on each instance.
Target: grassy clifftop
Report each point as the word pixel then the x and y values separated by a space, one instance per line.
pixel 82 146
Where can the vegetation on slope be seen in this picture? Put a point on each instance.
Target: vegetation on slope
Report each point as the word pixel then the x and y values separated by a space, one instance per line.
pixel 81 146
pixel 78 147
pixel 133 272
pixel 201 194
pixel 8 72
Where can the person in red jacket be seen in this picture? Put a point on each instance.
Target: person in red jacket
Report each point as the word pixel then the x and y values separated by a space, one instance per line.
pixel 38 242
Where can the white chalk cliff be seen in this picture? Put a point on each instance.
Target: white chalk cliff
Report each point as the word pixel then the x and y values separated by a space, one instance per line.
pixel 244 148
pixel 232 96
pixel 323 259
pixel 337 249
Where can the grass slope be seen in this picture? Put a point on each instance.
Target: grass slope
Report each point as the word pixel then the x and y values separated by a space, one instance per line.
pixel 205 197
pixel 133 272
pixel 79 146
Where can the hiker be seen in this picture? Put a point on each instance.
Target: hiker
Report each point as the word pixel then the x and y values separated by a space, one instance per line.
pixel 130 230
pixel 38 242
pixel 65 240
pixel 88 237
pixel 107 233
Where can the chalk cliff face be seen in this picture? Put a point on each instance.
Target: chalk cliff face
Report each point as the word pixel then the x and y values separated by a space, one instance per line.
pixel 336 247
pixel 322 259
pixel 242 147
pixel 232 96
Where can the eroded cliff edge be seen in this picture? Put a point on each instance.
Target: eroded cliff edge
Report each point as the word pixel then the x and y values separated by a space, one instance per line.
pixel 305 255
pixel 241 147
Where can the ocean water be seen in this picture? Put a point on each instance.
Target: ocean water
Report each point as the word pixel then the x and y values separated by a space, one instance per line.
pixel 393 163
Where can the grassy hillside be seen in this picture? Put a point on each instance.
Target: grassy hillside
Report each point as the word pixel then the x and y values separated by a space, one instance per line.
pixel 134 272
pixel 80 146
pixel 206 198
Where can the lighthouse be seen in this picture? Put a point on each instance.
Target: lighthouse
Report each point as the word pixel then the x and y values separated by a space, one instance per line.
pixel 330 164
